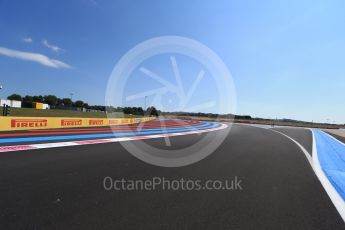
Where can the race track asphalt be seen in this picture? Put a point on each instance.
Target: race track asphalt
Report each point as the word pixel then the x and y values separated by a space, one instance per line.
pixel 62 188
pixel 301 135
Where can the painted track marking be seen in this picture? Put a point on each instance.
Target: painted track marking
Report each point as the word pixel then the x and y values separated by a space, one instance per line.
pixel 336 199
pixel 100 141
pixel 204 125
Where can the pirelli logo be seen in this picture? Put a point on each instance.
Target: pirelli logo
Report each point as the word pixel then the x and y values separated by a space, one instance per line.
pixel 124 121
pixel 71 122
pixel 114 122
pixel 29 123
pixel 95 122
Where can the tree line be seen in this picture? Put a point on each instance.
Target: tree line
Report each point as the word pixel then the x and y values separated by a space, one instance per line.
pixel 209 115
pixel 66 103
pixel 51 100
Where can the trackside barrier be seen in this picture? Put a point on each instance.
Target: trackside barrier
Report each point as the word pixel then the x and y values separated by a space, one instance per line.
pixel 27 123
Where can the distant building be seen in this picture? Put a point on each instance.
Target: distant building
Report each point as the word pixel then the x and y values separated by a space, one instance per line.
pixel 46 106
pixel 39 105
pixel 12 103
pixel 16 104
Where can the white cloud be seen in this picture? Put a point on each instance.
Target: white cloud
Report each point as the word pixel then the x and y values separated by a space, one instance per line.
pixel 27 40
pixel 94 3
pixel 35 57
pixel 50 46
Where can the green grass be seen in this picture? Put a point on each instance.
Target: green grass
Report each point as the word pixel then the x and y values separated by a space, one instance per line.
pixel 28 112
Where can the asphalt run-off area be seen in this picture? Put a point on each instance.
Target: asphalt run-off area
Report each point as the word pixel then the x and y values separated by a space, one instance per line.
pixel 291 178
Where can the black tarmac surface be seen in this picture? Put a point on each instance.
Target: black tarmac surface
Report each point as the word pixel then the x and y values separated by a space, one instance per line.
pixel 301 135
pixel 62 188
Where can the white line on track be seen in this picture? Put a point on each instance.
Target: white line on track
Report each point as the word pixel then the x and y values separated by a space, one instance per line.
pixel 333 137
pixel 313 160
pixel 337 200
pixel 307 155
pixel 13 148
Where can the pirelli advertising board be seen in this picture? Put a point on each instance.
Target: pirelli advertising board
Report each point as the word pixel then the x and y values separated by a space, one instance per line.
pixel 26 123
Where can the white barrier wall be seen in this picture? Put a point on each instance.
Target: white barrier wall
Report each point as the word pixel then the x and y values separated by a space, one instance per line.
pixel 14 104
pixel 46 106
pixel 5 102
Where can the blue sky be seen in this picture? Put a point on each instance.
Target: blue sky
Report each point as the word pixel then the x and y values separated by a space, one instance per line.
pixel 286 57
